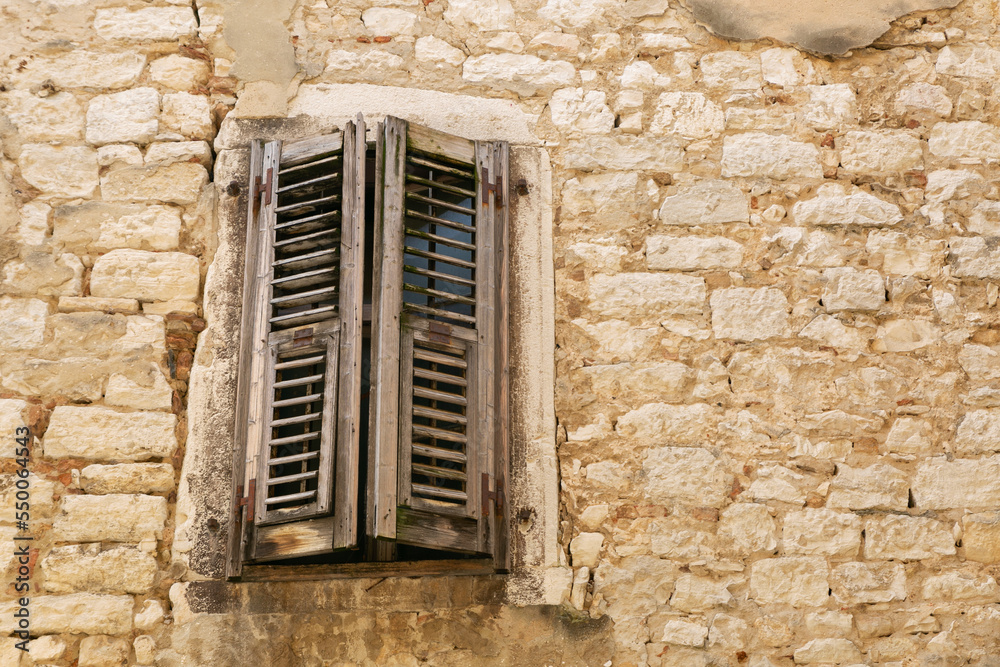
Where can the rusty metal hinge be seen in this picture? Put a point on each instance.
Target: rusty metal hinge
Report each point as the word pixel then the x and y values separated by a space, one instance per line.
pixel 496 495
pixel 263 186
pixel 249 500
pixel 492 188
pixel 439 332
pixel 302 337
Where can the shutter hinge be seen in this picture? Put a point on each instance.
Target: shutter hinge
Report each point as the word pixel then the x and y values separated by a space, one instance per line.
pixel 302 337
pixel 248 501
pixel 496 495
pixel 439 332
pixel 264 185
pixel 492 187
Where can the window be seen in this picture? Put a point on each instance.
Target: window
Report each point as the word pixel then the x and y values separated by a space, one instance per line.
pixel 372 397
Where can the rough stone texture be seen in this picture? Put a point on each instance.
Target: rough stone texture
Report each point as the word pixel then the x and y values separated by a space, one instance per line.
pixel 849 289
pixel 80 613
pixel 898 537
pixel 821 532
pixel 22 322
pixel 99 227
pixel 128 478
pixel 522 74
pixel 128 116
pixel 148 23
pixel 839 651
pixel 103 434
pixel 58 117
pixel 981 537
pixel 147 276
pixel 866 583
pixel 63 171
pixel 965 139
pixel 177 72
pixel 103 651
pixel 798 581
pixel 746 314
pixel 969 483
pixel 878 486
pixel 958 585
pixel 978 433
pixel 688 116
pixel 150 391
pixel 705 203
pixel 777 157
pixel 647 295
pixel 692 254
pixel 188 115
pixel 881 152
pixel 85 568
pixel 84 69
pixel 974 258
pixel 685 475
pixel 748 528
pixel 833 206
pixel 178 183
pixel 110 518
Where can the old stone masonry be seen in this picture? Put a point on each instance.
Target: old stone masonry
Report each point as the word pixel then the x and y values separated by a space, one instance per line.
pixel 754 332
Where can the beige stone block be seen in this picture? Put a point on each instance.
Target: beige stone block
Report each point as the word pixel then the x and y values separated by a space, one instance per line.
pixel 622 153
pixel 850 289
pixel 730 70
pixel 903 538
pixel 981 537
pixel 118 155
pixel 570 14
pixel 770 156
pixel 647 296
pixel 388 21
pixel 85 333
pixel 128 116
pixel 978 433
pixel 828 651
pixel 867 583
pixel 830 107
pixel 85 568
pixel 985 219
pixel 603 255
pixel 617 341
pixel 575 112
pixel 684 633
pixel 77 378
pixel 676 540
pixel 923 99
pixel 103 651
pixel 706 203
pixel 437 53
pixel 484 15
pixel 662 423
pixel 728 632
pixel 833 206
pixel 638 382
pixel 40 273
pixel 980 362
pixel 692 253
pixel 110 518
pixel 177 183
pixel 58 117
pixel 973 257
pixel 143 333
pixel 82 68
pixel 606 201
pixel 147 276
pixel 781 66
pixel 145 649
pixel 61 171
pixel 945 185
pixel 879 486
pixel 367 66
pixel 888 152
pixel 149 391
pixel 747 314
pixel 22 323
pixel 41 490
pixel 800 581
pixel 13 413
pixel 161 308
pixel 901 335
pixel 103 434
pixel 188 115
pixel 829 331
pixel 585 549
pixel 831 623
pixel 693 594
pixel 958 484
pixel 99 227
pixel 128 478
pixel 821 532
pixel 688 116
pixel 910 435
pixel 685 475
pixel 147 23
pixel 80 304
pixel 554 44
pixel 46 649
pixel 968 61
pixel 746 528
pixel 79 613
pixel 150 616
pixel 907 255
pixel 180 73
pixel 522 74
pixel 776 482
pixel 166 152
pixel 959 585
pixel 593 516
pixel 965 139
pixel 33 226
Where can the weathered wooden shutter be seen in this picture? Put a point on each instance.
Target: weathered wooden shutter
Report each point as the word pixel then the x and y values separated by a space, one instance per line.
pixel 302 345
pixel 434 478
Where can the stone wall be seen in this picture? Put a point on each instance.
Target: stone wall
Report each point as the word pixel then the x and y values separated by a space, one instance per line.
pixel 777 360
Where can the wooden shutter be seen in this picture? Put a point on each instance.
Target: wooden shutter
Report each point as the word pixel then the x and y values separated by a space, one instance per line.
pixel 435 319
pixel 302 345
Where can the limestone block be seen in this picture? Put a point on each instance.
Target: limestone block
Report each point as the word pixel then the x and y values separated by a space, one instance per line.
pixel 907 255
pixel 512 42
pixel 833 206
pixel 800 581
pixel 965 139
pixel 118 155
pixel 637 382
pixel 593 516
pixel 706 203
pixel 150 616
pixel 436 52
pixel 41 490
pixel 110 518
pixel 961 483
pixel 828 651
pixel 166 152
pixel 958 585
pixel 685 475
pixel 523 74
pixel 640 74
pixel 77 378
pixel 145 649
pixel 745 528
pixel 899 537
pixel 985 219
pixel 188 115
pixel 98 227
pixel 821 532
pixel 99 433
pixel 867 583
pixel 831 623
pixel 978 433
pixel 550 44
pixel 607 201
pixel 577 112
pixel 180 73
pixel 658 44
pixel 647 296
pixel 148 23
pixel 830 107
pixel 128 478
pixel 585 549
pixel 482 14
pixel 776 482
pixel 781 66
pixel 728 632
pixel 770 156
pixel 623 153
pixel 672 540
pixel 878 486
pixel 601 256
pixel 128 116
pixel 147 276
pixel 79 613
pixel 829 331
pixel 747 314
pixel 12 416
pixel 388 21
pixel 692 253
pixel 923 99
pixel 156 394
pixel 178 183
pixel 22 323
pixel 687 115
pixel 85 568
pixel 662 423
pixel 973 257
pixel 889 152
pixel 81 68
pixel 981 537
pixel 62 171
pixel 46 649
pixel 850 289
pixel 374 65
pixel 968 61
pixel 33 226
pixel 40 273
pixel 684 633
pixel 901 335
pixel 58 117
pixel 695 595
pixel 617 341
pixel 910 435
pixel 609 475
pixel 103 651
pixel 948 184
pixel 571 14
pixel 730 70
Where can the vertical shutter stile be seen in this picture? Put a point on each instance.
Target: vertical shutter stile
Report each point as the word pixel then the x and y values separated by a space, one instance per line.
pixel 501 453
